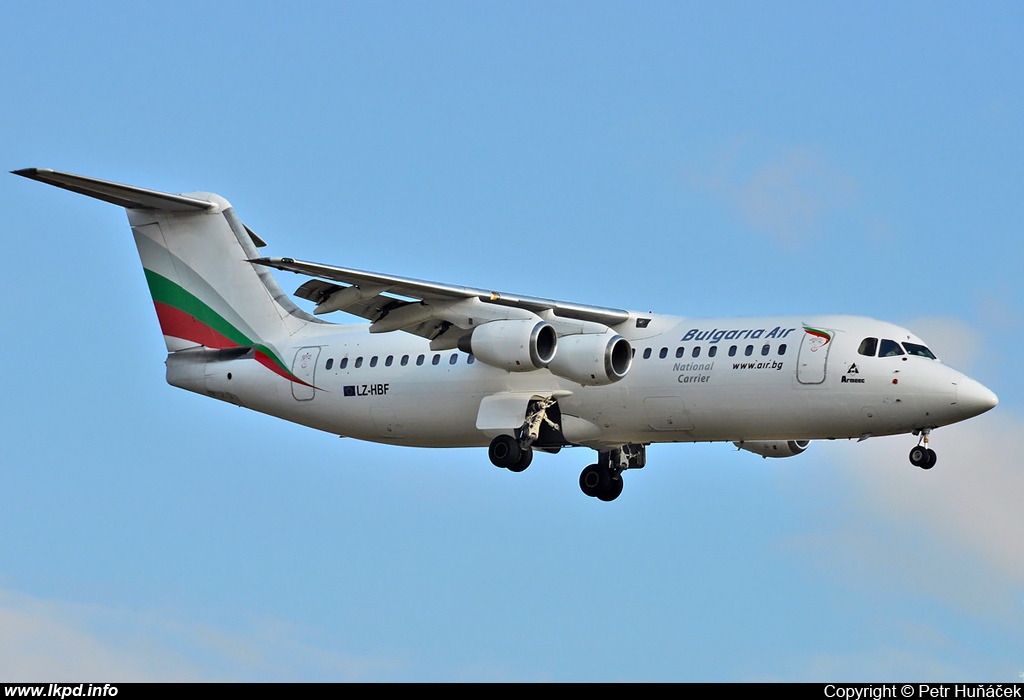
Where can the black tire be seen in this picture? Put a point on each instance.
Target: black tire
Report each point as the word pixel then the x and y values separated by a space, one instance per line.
pixel 613 490
pixel 932 458
pixel 525 457
pixel 504 452
pixel 594 480
pixel 919 456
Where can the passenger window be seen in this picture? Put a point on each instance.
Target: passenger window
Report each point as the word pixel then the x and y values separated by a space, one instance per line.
pixel 890 348
pixel 919 350
pixel 647 353
pixel 765 350
pixel 782 349
pixel 405 360
pixel 680 351
pixel 696 351
pixel 749 351
pixel 373 361
pixel 330 363
pixel 387 362
pixel 868 347
pixel 344 363
pixel 712 351
pixel 470 360
pixel 663 354
pixel 436 360
pixel 359 362
pixel 419 360
pixel 732 351
pixel 454 358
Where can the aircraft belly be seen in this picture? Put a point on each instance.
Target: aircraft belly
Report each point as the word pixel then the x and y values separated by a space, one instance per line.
pixel 727 407
pixel 405 405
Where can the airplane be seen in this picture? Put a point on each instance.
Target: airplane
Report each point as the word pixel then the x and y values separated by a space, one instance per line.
pixel 443 365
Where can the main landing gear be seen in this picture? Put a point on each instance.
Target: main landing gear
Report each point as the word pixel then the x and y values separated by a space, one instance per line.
pixel 601 482
pixel 506 453
pixel 541 431
pixel 922 455
pixel 604 479
pixel 516 453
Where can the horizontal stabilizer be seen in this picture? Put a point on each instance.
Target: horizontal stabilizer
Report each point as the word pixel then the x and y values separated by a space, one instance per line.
pixel 122 195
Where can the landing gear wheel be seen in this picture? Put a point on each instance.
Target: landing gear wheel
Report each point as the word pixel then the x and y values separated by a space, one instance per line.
pixel 525 457
pixel 613 490
pixel 504 452
pixel 919 456
pixel 932 458
pixel 594 480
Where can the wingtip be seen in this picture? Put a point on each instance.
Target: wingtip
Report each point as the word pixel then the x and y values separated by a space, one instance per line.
pixel 33 173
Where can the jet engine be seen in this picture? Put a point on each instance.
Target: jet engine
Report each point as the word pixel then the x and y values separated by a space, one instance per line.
pixel 774 448
pixel 521 345
pixel 592 359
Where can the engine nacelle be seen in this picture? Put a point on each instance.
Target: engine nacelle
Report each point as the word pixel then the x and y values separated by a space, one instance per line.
pixel 774 448
pixel 592 359
pixel 522 345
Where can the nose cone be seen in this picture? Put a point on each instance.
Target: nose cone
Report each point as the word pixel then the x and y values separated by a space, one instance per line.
pixel 973 398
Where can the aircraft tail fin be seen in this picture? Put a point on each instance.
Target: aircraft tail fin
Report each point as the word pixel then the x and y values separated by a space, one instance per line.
pixel 195 254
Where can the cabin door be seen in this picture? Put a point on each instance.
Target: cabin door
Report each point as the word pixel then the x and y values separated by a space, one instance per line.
pixel 304 368
pixel 812 362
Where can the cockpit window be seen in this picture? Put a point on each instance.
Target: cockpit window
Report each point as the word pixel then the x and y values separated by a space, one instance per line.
pixel 919 350
pixel 868 347
pixel 890 348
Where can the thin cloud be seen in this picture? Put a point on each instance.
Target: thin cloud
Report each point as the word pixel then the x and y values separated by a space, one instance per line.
pixel 954 532
pixel 885 663
pixel 45 640
pixel 951 339
pixel 61 641
pixel 787 197
pixel 969 501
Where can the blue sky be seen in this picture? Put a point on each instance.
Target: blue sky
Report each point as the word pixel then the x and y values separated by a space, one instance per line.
pixel 696 159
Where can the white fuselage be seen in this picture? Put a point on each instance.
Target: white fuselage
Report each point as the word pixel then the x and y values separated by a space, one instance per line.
pixel 735 379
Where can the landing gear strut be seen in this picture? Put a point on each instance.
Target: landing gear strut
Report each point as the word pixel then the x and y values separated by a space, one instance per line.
pixel 516 453
pixel 922 455
pixel 604 479
pixel 538 418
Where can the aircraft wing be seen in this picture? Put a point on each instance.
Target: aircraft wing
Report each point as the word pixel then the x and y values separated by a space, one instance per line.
pixel 439 312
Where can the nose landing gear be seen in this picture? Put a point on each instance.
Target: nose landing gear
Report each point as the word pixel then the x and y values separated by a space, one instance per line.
pixel 922 455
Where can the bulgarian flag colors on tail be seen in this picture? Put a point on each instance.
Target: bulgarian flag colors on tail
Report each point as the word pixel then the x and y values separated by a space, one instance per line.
pixel 183 315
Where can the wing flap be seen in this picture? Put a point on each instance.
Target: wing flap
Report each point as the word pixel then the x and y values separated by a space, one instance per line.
pixel 317 291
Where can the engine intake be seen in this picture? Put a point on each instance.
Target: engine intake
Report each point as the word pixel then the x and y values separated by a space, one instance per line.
pixel 521 345
pixel 774 448
pixel 592 359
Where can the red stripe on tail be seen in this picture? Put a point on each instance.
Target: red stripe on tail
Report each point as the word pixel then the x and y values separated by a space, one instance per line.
pixel 178 324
